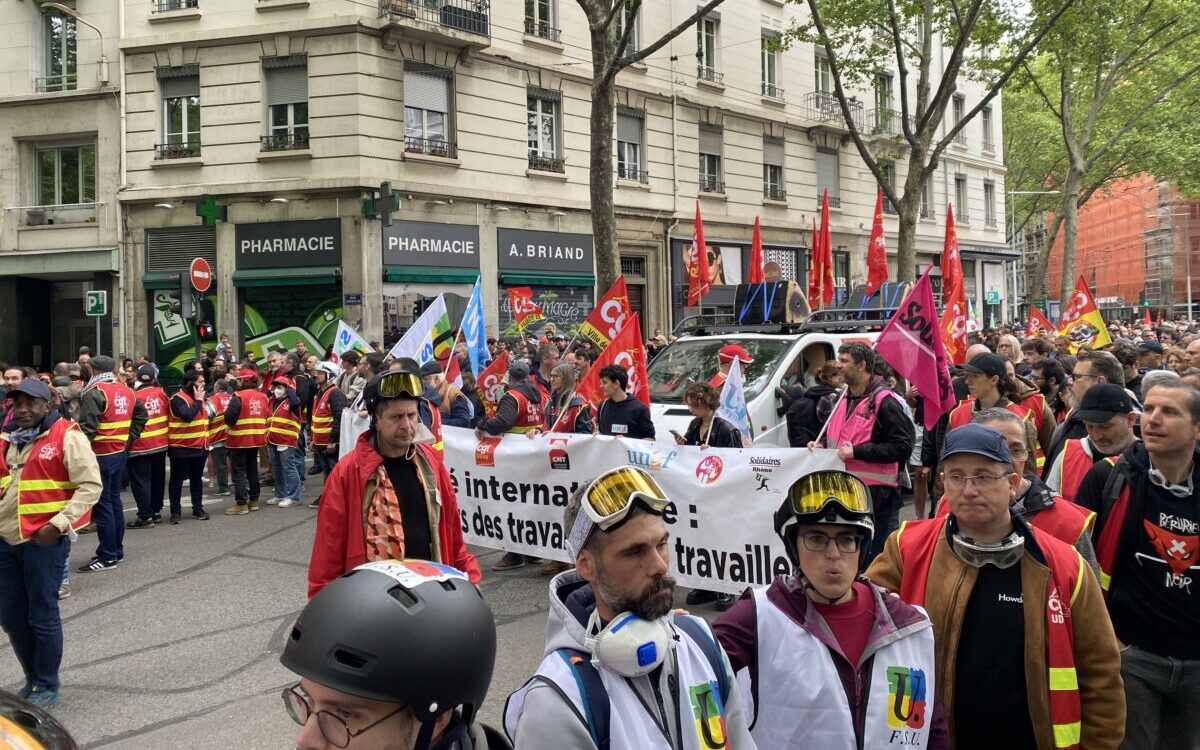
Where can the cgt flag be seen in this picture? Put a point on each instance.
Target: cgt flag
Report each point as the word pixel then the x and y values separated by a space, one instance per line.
pixel 699 274
pixel 609 315
pixel 877 268
pixel 625 350
pixel 1037 323
pixel 491 384
pixel 912 344
pixel 954 318
pixel 525 310
pixel 1082 322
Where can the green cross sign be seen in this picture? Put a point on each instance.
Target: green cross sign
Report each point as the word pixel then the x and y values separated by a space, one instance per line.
pixel 382 206
pixel 95 304
pixel 209 212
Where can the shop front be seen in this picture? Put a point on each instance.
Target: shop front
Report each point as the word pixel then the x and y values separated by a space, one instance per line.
pixel 559 267
pixel 422 259
pixel 728 266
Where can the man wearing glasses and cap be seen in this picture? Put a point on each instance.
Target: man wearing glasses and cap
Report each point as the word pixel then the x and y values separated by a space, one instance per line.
pixel 390 496
pixel 619 670
pixel 1022 632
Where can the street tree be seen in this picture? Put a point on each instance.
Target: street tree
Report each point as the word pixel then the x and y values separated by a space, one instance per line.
pixel 982 40
pixel 611 26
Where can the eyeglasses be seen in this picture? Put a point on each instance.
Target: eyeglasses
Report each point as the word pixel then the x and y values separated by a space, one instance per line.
pixel 981 481
pixel 815 541
pixel 392 384
pixel 333 728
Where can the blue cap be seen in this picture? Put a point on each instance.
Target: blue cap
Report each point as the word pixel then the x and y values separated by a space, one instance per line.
pixel 31 387
pixel 978 439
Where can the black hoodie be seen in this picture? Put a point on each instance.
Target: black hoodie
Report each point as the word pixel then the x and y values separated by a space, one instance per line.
pixel 806 414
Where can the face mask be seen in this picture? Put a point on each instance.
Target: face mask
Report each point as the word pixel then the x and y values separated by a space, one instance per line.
pixel 629 646
pixel 280 392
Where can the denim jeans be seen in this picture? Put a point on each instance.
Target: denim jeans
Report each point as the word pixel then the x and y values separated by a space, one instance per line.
pixel 301 467
pixel 107 512
pixel 324 461
pixel 287 478
pixel 29 607
pixel 1162 695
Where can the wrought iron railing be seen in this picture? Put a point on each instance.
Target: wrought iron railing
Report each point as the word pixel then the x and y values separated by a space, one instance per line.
pixel 293 141
pixel 177 150
pixel 471 16
pixel 629 172
pixel 774 192
pixel 161 6
pixel 547 163
pixel 705 73
pixel 542 29
pixel 823 106
pixel 711 185
pixel 771 91
pixel 431 147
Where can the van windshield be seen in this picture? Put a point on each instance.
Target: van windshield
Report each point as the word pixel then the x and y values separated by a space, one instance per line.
pixel 685 362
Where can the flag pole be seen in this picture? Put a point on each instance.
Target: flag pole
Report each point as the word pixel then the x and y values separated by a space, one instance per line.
pixel 841 398
pixel 453 346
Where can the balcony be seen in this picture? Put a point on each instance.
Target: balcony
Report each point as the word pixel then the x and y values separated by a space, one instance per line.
pixel 285 141
pixel 65 82
pixel 431 147
pixel 163 6
pixel 458 23
pixel 541 29
pixel 834 201
pixel 633 173
pixel 67 214
pixel 711 185
pixel 706 74
pixel 774 193
pixel 823 107
pixel 185 150
pixel 771 91
pixel 555 164
pixel 960 139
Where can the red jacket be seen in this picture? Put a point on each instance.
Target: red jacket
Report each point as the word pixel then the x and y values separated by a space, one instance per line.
pixel 340 545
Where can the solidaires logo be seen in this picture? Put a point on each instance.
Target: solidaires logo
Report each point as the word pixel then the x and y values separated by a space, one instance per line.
pixel 906 698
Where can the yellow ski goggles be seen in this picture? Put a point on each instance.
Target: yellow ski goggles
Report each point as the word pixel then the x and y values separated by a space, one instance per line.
pixel 396 383
pixel 810 495
pixel 608 500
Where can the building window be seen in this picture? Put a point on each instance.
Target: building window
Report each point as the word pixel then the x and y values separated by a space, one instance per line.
pixel 706 49
pixel 958 106
pixel 545 124
pixel 986 121
pixel 540 19
pixel 771 61
pixel 630 124
pixel 960 198
pixel 711 146
pixel 773 181
pixel 889 177
pixel 827 176
pixel 66 175
pixel 619 24
pixel 287 103
pixel 823 73
pixel 989 203
pixel 60 54
pixel 427 113
pixel 884 119
pixel 161 6
pixel 927 198
pixel 181 111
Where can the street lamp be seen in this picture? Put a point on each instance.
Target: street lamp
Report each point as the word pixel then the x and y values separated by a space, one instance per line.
pixel 1187 249
pixel 1012 238
pixel 102 76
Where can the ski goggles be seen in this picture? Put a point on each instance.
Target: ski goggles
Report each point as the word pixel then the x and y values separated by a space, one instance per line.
pixel 810 495
pixel 397 383
pixel 608 500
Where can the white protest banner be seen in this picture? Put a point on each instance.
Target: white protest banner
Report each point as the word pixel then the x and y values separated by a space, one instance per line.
pixel 512 490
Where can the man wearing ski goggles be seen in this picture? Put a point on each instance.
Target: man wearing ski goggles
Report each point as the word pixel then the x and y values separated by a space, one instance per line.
pixel 608 502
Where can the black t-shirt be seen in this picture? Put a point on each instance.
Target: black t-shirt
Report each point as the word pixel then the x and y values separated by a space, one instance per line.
pixel 629 418
pixel 989 679
pixel 414 513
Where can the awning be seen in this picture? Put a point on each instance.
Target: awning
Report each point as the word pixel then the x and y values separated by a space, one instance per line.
pixel 286 276
pixel 548 279
pixel 435 275
pixel 60 263
pixel 160 281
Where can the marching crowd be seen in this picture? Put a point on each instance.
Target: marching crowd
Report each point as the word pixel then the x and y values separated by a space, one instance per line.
pixel 1041 598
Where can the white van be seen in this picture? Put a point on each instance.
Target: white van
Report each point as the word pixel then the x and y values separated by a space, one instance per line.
pixel 780 360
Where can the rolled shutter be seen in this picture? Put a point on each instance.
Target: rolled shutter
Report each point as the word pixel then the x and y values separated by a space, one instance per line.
pixel 827 172
pixel 424 90
pixel 710 139
pixel 287 85
pixel 177 88
pixel 773 151
pixel 169 250
pixel 629 127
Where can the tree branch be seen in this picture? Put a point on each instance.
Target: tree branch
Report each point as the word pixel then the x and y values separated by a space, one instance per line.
pixel 662 41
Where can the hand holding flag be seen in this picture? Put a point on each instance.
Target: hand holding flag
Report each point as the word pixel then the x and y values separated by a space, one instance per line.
pixel 732 407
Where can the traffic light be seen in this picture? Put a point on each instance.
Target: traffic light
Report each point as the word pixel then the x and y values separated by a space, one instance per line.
pixel 1142 299
pixel 204 330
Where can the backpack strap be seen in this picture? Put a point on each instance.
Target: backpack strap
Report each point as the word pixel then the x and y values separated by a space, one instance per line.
pixel 596 707
pixel 703 638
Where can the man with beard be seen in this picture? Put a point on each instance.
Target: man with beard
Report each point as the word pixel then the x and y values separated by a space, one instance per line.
pixel 619 670
pixel 1051 380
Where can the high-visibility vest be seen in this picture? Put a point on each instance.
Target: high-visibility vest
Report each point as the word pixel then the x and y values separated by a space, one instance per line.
pixel 112 431
pixel 530 416
pixel 963 413
pixel 1109 540
pixel 284 427
pixel 191 434
pixel 154 434
pixel 1074 462
pixel 1064 520
pixel 855 428
pixel 251 428
pixel 1036 404
pixel 917 541
pixel 45 485
pixel 216 423
pixel 322 418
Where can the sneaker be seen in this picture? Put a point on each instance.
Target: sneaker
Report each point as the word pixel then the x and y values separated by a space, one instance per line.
pixel 510 561
pixel 315 504
pixel 141 523
pixel 224 492
pixel 288 503
pixel 725 601
pixel 174 519
pixel 157 518
pixel 237 510
pixel 64 591
pixel 697 596
pixel 314 471
pixel 200 515
pixel 98 564
pixel 272 501
pixel 253 505
pixel 24 692
pixel 43 698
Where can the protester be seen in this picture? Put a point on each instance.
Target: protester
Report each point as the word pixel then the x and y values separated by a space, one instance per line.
pixel 350 382
pixel 326 419
pixel 1052 672
pixel 619 413
pixel 187 431
pixel 283 439
pixel 1107 414
pixel 246 420
pixel 614 649
pixel 827 617
pixel 1091 369
pixel 453 404
pixel 470 389
pixel 566 411
pixel 725 357
pixel 809 409
pixel 218 454
pixel 1051 380
pixel 147 464
pixel 302 385
pixel 547 359
pixel 706 429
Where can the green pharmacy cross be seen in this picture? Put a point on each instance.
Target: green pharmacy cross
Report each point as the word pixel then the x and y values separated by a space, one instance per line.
pixel 209 212
pixel 383 205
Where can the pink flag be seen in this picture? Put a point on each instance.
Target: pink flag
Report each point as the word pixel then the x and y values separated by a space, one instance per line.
pixel 912 344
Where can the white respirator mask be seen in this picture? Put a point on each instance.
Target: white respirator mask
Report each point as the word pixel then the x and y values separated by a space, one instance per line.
pixel 629 646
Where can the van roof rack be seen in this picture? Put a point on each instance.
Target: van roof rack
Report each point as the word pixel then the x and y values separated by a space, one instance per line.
pixel 837 320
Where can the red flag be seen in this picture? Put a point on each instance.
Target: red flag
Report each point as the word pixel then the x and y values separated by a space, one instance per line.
pixel 910 343
pixel 815 274
pixel 491 384
pixel 877 269
pixel 756 256
pixel 524 309
pixel 1082 321
pixel 954 318
pixel 1147 322
pixel 699 281
pixel 625 350
pixel 608 316
pixel 952 273
pixel 827 281
pixel 1037 323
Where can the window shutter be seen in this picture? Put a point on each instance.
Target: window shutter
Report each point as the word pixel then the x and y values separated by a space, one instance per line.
pixel 171 250
pixel 710 139
pixel 176 88
pixel 773 151
pixel 827 173
pixel 629 125
pixel 426 91
pixel 287 85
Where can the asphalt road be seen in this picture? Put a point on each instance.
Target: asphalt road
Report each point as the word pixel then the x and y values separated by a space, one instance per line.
pixel 179 645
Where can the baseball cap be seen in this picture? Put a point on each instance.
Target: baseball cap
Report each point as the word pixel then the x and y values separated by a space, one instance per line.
pixel 84 350
pixel 1103 401
pixel 31 387
pixel 518 369
pixel 986 364
pixel 730 352
pixel 247 373
pixel 978 439
pixel 1145 346
pixel 145 373
pixel 430 368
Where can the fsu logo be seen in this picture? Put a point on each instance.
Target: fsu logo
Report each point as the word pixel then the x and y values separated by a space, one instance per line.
pixel 906 698
pixel 485 452
pixel 558 454
pixel 709 469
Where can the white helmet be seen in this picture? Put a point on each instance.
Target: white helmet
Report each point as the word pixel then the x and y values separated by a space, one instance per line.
pixel 330 369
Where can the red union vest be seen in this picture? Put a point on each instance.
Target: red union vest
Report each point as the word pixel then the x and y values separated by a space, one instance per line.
pixel 112 431
pixel 216 423
pixel 530 416
pixel 1109 541
pixel 154 434
pixel 251 428
pixel 45 485
pixel 855 428
pixel 1074 462
pixel 435 422
pixel 284 426
pixel 191 434
pixel 322 419
pixel 963 412
pixel 567 422
pixel 917 541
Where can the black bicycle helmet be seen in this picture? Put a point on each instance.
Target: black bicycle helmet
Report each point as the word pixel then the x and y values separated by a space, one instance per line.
pixel 412 632
pixel 825 497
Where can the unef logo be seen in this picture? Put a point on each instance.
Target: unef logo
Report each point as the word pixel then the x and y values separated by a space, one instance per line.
pixel 709 469
pixel 48 452
pixel 559 459
pixel 654 460
pixel 485 452
pixel 614 313
pixel 906 698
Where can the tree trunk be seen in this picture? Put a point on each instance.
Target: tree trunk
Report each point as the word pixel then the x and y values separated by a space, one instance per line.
pixel 604 219
pixel 908 210
pixel 1071 187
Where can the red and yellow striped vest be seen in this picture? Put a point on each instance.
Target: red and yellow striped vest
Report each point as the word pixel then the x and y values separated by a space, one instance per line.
pixel 216 423
pixel 251 428
pixel 322 419
pixel 1074 463
pixel 191 434
pixel 284 427
pixel 154 434
pixel 112 432
pixel 45 485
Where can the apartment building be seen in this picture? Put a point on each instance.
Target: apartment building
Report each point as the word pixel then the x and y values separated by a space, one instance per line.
pixel 276 118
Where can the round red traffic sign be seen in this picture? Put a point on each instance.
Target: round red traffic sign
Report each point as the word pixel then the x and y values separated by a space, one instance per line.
pixel 201 275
